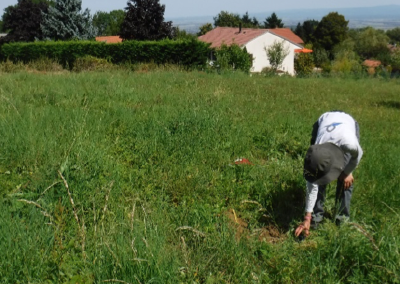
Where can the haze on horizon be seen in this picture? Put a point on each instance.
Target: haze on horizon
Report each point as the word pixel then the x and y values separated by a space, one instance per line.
pixel 191 8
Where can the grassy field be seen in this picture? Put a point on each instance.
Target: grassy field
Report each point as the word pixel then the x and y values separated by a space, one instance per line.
pixel 122 177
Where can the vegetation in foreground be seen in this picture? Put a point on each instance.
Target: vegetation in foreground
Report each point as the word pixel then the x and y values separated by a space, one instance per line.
pixel 131 178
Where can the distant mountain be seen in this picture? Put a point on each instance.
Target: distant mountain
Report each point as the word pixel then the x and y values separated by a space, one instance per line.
pixel 380 17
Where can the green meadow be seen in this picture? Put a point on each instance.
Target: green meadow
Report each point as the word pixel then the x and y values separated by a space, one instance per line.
pixel 130 177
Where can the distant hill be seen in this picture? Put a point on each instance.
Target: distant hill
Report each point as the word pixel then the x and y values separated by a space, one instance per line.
pixel 380 17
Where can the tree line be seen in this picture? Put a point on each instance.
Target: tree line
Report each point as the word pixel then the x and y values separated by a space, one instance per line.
pixel 334 44
pixel 31 20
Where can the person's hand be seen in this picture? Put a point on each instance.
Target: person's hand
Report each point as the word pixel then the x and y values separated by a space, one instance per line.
pixel 346 179
pixel 305 226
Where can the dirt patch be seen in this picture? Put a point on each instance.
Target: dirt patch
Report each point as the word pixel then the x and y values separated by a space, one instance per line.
pixel 241 227
pixel 269 233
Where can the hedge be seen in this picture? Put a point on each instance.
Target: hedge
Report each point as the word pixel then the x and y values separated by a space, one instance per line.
pixel 189 53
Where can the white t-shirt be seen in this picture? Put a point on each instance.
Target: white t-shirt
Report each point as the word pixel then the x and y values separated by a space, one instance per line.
pixel 338 128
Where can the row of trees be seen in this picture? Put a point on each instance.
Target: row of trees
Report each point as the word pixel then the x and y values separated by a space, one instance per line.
pixel 330 38
pixel 31 20
pixel 335 46
pixel 226 19
pixel 338 48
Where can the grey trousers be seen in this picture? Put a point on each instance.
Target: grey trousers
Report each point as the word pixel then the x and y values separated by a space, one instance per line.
pixel 343 197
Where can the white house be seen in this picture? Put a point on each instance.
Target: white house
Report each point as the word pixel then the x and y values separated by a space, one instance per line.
pixel 256 41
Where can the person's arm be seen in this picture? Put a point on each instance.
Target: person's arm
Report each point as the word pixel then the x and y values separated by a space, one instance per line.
pixel 311 198
pixel 305 226
pixel 355 153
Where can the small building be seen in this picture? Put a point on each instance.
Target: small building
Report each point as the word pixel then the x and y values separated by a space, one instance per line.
pixel 109 39
pixel 256 41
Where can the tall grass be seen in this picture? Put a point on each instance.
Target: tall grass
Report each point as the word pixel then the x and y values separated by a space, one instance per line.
pixel 148 159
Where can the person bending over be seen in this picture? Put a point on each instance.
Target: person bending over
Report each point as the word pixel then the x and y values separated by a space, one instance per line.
pixel 334 153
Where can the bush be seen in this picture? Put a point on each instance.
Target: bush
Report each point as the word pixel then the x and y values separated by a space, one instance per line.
pixel 395 60
pixel 233 58
pixel 44 64
pixel 346 62
pixel 320 57
pixel 268 71
pixel 9 67
pixel 91 63
pixel 303 64
pixel 276 54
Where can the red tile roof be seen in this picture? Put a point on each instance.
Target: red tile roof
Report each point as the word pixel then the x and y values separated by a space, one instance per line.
pixel 288 34
pixel 372 63
pixel 109 39
pixel 228 36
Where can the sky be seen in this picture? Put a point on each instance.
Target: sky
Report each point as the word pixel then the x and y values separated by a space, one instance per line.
pixel 194 8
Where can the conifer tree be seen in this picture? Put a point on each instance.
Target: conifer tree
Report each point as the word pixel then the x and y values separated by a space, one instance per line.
pixel 65 21
pixel 144 20
pixel 273 22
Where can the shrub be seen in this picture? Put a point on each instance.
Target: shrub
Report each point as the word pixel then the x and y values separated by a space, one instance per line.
pixel 233 58
pixel 320 57
pixel 268 71
pixel 91 63
pixel 303 64
pixel 44 64
pixel 395 59
pixel 346 62
pixel 9 67
pixel 276 54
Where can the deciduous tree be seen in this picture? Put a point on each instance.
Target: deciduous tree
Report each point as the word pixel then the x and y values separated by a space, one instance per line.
pixel 66 21
pixel 205 29
pixel 394 35
pixel 371 43
pixel 144 20
pixel 332 30
pixel 309 27
pixel 108 24
pixel 395 60
pixel 226 19
pixel 177 33
pixel 276 54
pixel 22 21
